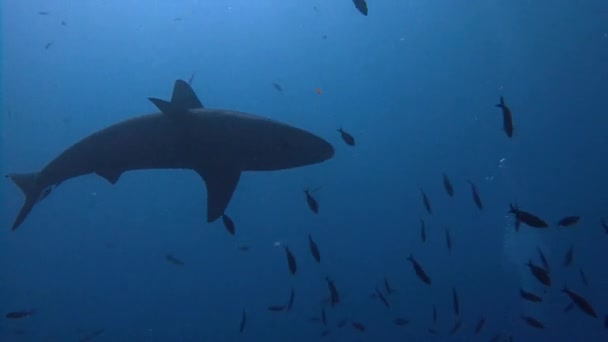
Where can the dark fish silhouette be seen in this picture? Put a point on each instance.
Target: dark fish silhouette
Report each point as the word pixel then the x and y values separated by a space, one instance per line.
pixel 434 314
pixel 358 326
pixel 426 202
pixel 387 287
pixel 312 202
pixel 455 302
pixel 292 297
pixel 476 197
pixel 533 322
pixel 569 256
pixel 529 296
pixel 581 302
pixel 543 260
pixel 419 271
pixel 507 118
pixel 173 260
pixel 178 19
pixel 583 277
pixel 422 231
pixel 43 13
pixel 382 298
pixel 540 274
pixel 448 185
pixel 448 240
pixel 291 260
pixel 314 249
pixel 48 45
pixel 92 335
pixel 276 308
pixel 333 292
pixel 568 221
pixel 347 137
pixel 361 5
pixel 228 224
pixel 243 321
pixel 527 218
pixel 480 325
pixel 63 23
pixel 401 321
pixel 457 325
pixel 277 87
pixel 20 314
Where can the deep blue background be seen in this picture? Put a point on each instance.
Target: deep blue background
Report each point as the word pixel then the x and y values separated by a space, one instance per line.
pixel 415 82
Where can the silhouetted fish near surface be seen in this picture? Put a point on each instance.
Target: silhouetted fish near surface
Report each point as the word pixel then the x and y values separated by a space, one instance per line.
pixel 243 321
pixel 48 45
pixel 92 335
pixel 422 231
pixel 569 256
pixel 314 249
pixel 228 224
pixel 447 185
pixel 580 302
pixel 583 277
pixel 20 314
pixel 347 137
pixel 540 274
pixel 568 221
pixel 533 322
pixel 527 218
pixel 292 297
pixel 507 118
pixel 448 240
pixel 387 287
pixel 455 302
pixel 358 326
pixel 529 296
pixel 419 271
pixel 401 321
pixel 276 308
pixel 543 260
pixel 382 298
pixel 361 5
pixel 456 327
pixel 480 325
pixel 291 260
pixel 425 201
pixel 43 12
pixel 173 260
pixel 277 87
pixel 313 205
pixel 476 197
pixel 333 292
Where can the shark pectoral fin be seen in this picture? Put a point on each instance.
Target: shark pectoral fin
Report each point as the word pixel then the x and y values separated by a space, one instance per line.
pixel 221 183
pixel 168 108
pixel 110 175
pixel 183 96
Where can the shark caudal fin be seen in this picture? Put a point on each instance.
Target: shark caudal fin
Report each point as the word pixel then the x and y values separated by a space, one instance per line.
pixel 27 183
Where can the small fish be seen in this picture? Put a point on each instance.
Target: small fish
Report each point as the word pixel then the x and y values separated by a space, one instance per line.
pixel 243 321
pixel 480 325
pixel 318 91
pixel 361 5
pixel 533 322
pixel 178 19
pixel 48 45
pixel 382 298
pixel 228 224
pixel 456 327
pixel 507 118
pixel 434 314
pixel 191 79
pixel 92 335
pixel 357 325
pixel 43 12
pixel 323 317
pixel 605 225
pixel 540 273
pixel 292 296
pixel 569 307
pixel 455 302
pixel 581 302
pixel 426 202
pixel 448 240
pixel 476 197
pixel 291 260
pixel 312 202
pixel 422 231
pixel 173 260
pixel 401 321
pixel 569 256
pixel 583 277
pixel 314 249
pixel 543 260
pixel 333 292
pixel 276 308
pixel 527 218
pixel 568 221
pixel 387 287
pixel 347 137
pixel 419 271
pixel 63 23
pixel 448 185
pixel 277 87
pixel 20 314
pixel 529 296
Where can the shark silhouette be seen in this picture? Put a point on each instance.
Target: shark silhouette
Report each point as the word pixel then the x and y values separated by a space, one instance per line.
pixel 217 144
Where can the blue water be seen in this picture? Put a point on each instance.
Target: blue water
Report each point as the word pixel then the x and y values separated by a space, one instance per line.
pixel 415 82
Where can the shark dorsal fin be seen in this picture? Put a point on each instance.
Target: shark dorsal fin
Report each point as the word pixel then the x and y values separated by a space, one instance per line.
pixel 184 97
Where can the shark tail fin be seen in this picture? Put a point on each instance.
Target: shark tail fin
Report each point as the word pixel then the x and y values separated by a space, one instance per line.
pixel 27 183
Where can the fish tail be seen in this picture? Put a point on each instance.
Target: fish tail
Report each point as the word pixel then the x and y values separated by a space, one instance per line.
pixel 502 103
pixel 28 185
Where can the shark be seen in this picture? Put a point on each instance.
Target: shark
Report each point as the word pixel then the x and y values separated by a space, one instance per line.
pixel 217 144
